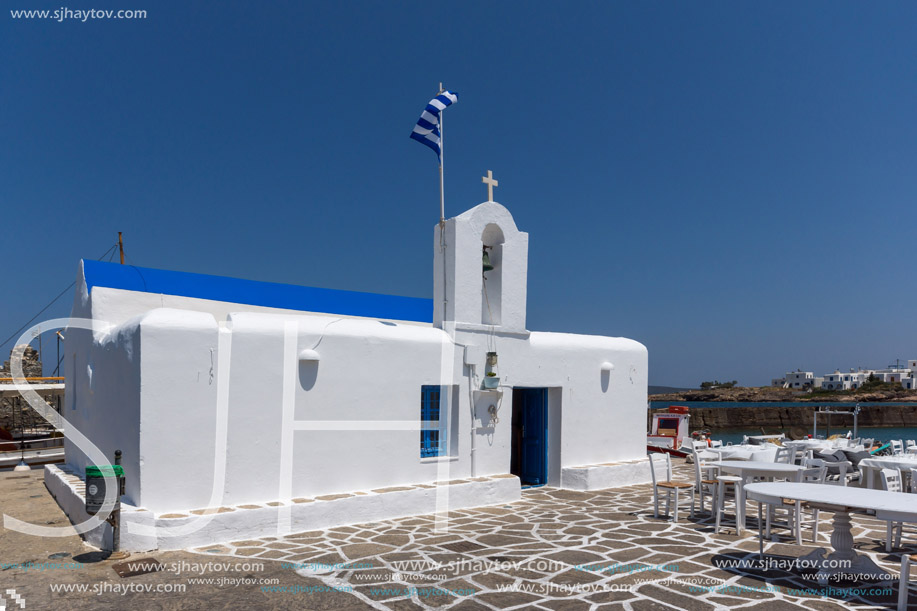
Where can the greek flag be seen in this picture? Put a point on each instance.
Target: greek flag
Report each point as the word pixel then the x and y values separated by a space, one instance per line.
pixel 427 129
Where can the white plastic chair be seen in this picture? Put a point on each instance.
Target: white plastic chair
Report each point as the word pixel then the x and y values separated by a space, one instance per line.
pixel 667 486
pixel 897 447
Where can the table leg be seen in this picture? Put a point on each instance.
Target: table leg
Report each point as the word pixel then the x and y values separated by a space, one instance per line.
pixel 843 560
pixel 760 533
pixel 740 507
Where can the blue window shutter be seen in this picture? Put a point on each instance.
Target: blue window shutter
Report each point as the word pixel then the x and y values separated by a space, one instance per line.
pixel 430 443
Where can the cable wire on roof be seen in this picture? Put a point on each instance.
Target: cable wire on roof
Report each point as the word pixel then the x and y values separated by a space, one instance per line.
pixel 51 303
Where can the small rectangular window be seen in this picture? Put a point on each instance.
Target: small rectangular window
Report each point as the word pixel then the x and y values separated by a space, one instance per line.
pixel 431 440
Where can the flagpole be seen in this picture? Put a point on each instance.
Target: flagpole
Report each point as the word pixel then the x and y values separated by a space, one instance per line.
pixel 442 150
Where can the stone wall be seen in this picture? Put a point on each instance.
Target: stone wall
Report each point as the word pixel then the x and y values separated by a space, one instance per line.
pixel 13 413
pixel 31 366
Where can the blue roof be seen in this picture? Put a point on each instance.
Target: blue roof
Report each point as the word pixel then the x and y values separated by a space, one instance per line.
pixel 251 292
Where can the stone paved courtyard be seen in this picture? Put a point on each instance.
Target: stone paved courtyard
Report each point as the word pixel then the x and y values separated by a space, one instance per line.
pixel 553 550
pixel 561 549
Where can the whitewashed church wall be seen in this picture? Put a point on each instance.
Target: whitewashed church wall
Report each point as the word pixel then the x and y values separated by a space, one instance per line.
pixel 178 420
pixel 601 416
pixel 103 397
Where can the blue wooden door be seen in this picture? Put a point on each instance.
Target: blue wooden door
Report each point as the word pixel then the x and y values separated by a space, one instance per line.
pixel 534 467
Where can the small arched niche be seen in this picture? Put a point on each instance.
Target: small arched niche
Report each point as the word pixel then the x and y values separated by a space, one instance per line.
pixel 492 281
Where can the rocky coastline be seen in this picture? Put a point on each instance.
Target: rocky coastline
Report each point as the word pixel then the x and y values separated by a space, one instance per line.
pixel 786 395
pixel 780 418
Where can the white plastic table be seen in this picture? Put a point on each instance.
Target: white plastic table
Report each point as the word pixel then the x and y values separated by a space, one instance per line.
pixel 869 466
pixel 745 452
pixel 752 468
pixel 823 444
pixel 842 501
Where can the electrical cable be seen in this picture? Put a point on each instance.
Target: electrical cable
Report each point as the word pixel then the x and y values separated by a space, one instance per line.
pixel 53 301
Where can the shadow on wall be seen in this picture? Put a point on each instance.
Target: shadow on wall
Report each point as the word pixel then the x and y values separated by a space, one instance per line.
pixel 308 373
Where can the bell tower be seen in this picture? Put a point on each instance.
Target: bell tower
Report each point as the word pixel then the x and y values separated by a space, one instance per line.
pixel 480 268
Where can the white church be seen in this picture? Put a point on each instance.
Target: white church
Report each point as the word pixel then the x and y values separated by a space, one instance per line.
pixel 249 409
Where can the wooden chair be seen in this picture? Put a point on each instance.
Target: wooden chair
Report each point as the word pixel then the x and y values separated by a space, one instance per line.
pixel 891 481
pixel 722 481
pixel 789 455
pixel 704 482
pixel 814 473
pixel 668 487
pixel 906 562
pixel 783 455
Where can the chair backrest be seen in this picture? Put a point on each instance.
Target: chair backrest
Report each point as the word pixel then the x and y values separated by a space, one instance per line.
pixel 815 471
pixel 655 464
pixel 789 454
pixel 910 443
pixel 698 445
pixel 891 480
pixel 868 443
pixel 914 481
pixel 897 446
pixel 783 455
pixel 698 468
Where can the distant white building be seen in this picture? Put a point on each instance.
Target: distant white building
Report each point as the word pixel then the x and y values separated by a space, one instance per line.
pixel 844 381
pixel 893 375
pixel 799 379
pixel 850 380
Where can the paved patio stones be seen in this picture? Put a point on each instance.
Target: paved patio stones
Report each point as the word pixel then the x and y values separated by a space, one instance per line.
pixel 565 550
pixel 553 550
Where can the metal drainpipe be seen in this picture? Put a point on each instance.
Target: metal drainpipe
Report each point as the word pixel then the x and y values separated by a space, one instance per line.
pixel 116 514
pixel 471 403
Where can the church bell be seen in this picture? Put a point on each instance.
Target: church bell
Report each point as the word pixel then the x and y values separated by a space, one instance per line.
pixel 486 260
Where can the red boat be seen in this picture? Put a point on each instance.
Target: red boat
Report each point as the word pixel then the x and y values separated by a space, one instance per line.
pixel 669 431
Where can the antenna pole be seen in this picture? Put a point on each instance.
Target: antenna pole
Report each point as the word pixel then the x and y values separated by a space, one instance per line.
pixel 121 247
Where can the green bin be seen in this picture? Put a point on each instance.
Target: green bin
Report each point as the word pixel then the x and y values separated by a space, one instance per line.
pixel 95 485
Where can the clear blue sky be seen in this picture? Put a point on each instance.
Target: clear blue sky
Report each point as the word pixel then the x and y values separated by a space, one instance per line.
pixel 730 183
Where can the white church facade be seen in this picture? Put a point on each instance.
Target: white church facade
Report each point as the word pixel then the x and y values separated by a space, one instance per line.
pixel 250 409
